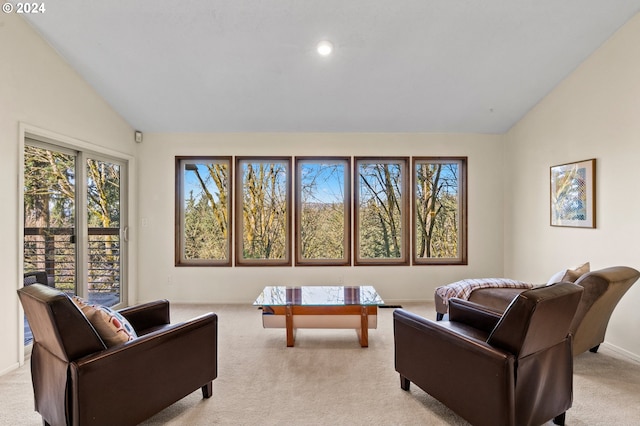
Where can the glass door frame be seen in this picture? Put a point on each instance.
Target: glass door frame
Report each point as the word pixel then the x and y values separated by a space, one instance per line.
pixel 84 150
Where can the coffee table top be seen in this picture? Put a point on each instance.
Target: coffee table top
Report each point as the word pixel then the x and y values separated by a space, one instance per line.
pixel 319 296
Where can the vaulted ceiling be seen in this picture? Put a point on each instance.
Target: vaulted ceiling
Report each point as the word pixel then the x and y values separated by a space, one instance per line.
pixel 397 65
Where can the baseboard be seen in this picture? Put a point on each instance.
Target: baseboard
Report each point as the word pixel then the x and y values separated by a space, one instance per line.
pixel 9 369
pixel 407 301
pixel 623 352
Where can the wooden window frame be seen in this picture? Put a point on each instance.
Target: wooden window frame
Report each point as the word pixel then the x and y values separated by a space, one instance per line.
pixel 179 211
pixel 240 260
pixel 462 205
pixel 404 259
pixel 346 259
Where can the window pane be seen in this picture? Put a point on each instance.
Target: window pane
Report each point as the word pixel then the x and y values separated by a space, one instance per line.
pixel 439 210
pixel 103 220
pixel 50 215
pixel 382 211
pixel 263 211
pixel 323 214
pixel 205 210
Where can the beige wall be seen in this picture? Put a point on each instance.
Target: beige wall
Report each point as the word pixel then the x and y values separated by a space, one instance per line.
pixel 242 284
pixel 39 89
pixel 594 113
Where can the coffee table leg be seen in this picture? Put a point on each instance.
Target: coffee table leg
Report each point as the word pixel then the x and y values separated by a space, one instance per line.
pixel 364 327
pixel 289 325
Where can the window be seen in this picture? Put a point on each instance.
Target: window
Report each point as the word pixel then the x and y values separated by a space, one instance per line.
pixel 382 208
pixel 323 213
pixel 393 223
pixel 263 211
pixel 439 219
pixel 203 211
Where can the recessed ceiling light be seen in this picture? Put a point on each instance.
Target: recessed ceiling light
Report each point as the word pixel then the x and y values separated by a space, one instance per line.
pixel 325 48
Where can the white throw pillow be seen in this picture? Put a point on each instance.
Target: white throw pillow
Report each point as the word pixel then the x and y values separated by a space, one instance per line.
pixel 569 274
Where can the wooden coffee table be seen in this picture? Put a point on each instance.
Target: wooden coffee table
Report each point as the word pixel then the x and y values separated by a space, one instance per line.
pixel 335 307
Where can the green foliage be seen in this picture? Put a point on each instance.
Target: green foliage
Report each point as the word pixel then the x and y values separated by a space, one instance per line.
pixel 49 188
pixel 50 218
pixel 264 210
pixel 436 210
pixel 380 211
pixel 206 222
pixel 203 236
pixel 322 231
pixel 322 210
pixel 103 194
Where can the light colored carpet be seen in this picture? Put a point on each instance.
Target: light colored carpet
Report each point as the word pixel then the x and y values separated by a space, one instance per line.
pixel 328 379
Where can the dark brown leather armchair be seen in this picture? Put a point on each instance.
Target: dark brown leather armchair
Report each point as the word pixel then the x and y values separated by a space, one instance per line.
pixel 492 369
pixel 77 380
pixel 40 277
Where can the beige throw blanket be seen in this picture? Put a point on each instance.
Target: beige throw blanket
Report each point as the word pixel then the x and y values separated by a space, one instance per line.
pixel 462 289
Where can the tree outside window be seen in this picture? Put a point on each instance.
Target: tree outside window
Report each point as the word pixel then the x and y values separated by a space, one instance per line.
pixel 263 211
pixel 382 209
pixel 50 214
pixel 322 226
pixel 323 214
pixel 203 211
pixel 439 219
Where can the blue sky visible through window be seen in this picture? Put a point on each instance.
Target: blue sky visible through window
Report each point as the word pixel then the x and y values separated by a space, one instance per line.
pixel 192 183
pixel 322 182
pixel 449 174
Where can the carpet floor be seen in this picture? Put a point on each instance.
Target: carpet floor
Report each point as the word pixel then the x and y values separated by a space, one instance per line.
pixel 328 379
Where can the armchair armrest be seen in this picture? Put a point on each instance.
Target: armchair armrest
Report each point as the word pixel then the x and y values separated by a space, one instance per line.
pixel 434 354
pixel 425 329
pixel 473 314
pixel 147 316
pixel 121 383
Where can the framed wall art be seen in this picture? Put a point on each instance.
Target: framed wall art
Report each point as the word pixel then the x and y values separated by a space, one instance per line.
pixel 573 194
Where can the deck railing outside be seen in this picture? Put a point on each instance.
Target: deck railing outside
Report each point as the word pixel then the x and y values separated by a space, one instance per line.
pixel 53 250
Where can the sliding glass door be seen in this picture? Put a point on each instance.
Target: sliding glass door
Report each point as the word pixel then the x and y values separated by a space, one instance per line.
pixel 73 221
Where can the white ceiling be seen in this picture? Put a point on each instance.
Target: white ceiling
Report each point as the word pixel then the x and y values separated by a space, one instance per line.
pixel 398 65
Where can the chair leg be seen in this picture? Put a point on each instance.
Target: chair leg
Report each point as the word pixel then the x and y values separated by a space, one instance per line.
pixel 207 390
pixel 594 349
pixel 439 316
pixel 559 420
pixel 405 383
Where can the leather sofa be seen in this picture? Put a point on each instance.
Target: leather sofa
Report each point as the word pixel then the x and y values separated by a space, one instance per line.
pixel 78 380
pixel 603 289
pixel 492 369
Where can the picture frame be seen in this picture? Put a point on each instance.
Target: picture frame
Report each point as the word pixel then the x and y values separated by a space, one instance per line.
pixel 573 194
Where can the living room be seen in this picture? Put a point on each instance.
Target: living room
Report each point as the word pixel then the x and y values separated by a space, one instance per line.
pixel 592 113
